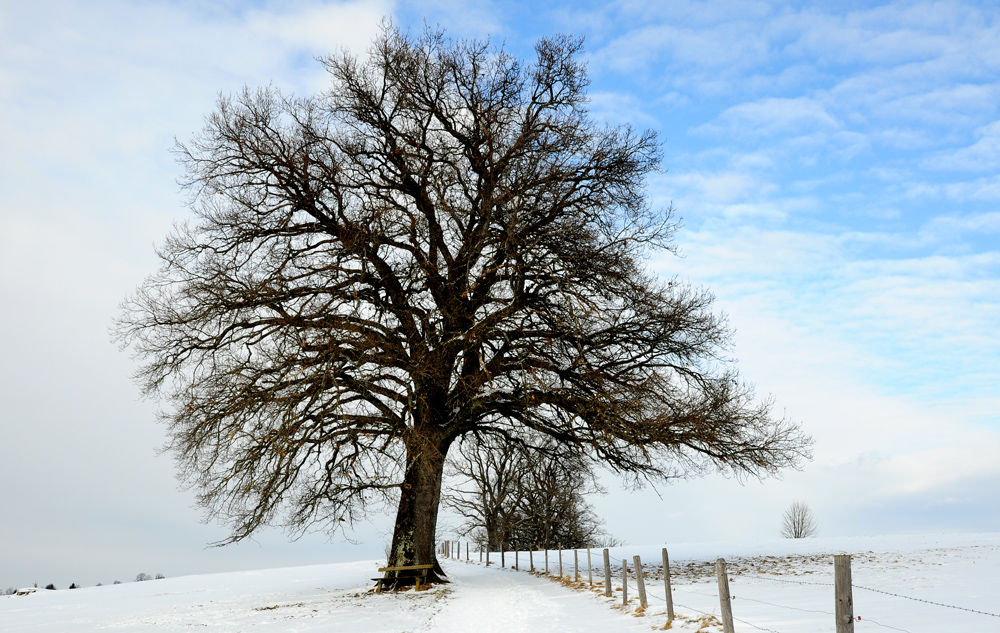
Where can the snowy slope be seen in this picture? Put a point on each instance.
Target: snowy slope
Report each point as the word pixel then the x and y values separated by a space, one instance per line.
pixel 780 586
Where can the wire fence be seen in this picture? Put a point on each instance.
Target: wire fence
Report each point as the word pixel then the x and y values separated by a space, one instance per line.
pixel 562 564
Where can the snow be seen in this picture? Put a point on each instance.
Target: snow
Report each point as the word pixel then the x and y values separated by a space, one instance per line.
pixel 782 585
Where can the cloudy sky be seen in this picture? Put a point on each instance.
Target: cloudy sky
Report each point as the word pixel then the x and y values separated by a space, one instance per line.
pixel 836 169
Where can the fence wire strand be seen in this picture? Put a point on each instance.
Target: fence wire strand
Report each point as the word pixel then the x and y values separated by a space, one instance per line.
pixel 888 593
pixel 885 626
pixel 939 604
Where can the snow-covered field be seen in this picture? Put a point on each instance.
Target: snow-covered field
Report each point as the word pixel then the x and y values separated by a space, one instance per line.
pixel 781 585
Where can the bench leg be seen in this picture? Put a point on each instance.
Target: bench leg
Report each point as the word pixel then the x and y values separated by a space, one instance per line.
pixel 378 586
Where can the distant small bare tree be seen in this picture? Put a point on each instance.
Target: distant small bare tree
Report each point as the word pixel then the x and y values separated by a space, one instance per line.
pixel 142 577
pixel 798 521
pixel 160 576
pixel 10 591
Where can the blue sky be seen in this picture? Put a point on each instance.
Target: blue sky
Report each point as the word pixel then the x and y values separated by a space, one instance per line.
pixel 835 165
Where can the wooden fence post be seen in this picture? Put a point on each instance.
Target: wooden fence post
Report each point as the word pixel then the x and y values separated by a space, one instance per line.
pixel 607 573
pixel 724 602
pixel 503 561
pixel 480 553
pixel 590 571
pixel 515 559
pixel 576 566
pixel 843 593
pixel 624 582
pixel 560 560
pixel 531 560
pixel 546 561
pixel 640 581
pixel 466 551
pixel 487 555
pixel 666 587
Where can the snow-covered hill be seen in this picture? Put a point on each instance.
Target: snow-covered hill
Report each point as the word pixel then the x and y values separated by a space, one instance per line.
pixel 779 585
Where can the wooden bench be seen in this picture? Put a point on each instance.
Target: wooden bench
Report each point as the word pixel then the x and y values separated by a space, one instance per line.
pixel 421 570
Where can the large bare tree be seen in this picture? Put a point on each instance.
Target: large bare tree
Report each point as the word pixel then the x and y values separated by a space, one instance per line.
pixel 442 243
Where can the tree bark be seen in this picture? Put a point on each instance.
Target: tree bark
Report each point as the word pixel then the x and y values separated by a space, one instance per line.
pixel 413 538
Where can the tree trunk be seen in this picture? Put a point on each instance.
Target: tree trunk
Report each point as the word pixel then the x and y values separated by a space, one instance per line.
pixel 413 538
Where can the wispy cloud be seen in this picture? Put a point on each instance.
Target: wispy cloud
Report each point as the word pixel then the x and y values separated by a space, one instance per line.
pixel 983 155
pixel 772 116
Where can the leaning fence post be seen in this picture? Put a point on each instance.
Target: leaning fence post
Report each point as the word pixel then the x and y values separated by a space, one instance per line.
pixel 590 570
pixel 624 582
pixel 607 573
pixel 843 593
pixel 727 606
pixel 666 587
pixel 640 581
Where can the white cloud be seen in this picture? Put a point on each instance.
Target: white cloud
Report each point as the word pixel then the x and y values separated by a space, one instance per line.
pixel 320 28
pixel 928 470
pixel 983 155
pixel 977 223
pixel 772 116
pixel 92 96
pixel 715 188
pixel 619 109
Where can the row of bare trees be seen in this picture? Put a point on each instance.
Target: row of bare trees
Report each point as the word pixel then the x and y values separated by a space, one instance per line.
pixel 518 493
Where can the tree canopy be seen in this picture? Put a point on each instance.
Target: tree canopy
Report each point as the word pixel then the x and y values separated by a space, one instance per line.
pixel 442 244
